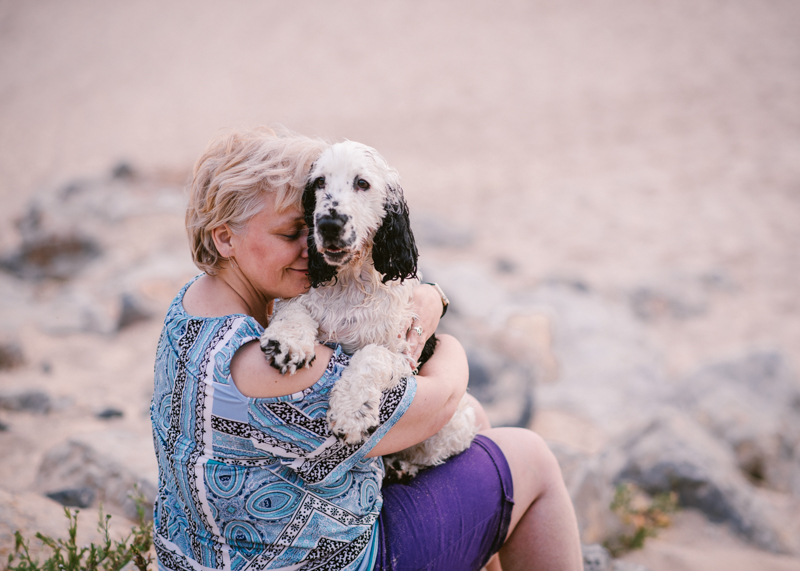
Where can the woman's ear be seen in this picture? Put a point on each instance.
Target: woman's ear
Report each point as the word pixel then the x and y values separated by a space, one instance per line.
pixel 319 271
pixel 394 251
pixel 223 240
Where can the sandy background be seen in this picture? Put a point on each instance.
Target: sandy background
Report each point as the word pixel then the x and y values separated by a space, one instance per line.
pixel 619 143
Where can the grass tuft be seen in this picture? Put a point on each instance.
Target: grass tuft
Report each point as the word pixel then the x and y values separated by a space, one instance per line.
pixel 109 555
pixel 643 517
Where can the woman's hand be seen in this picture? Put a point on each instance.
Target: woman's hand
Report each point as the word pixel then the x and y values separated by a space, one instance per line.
pixel 428 308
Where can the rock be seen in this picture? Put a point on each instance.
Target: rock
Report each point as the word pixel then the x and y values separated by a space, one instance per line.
pixel 10 355
pixel 504 387
pixel 110 463
pixel 26 401
pixel 110 413
pixel 73 497
pixel 61 236
pixel 654 303
pixel 123 170
pixel 527 337
pixel 609 373
pixel 591 490
pixel 505 266
pixel 676 454
pixel 597 558
pixel 678 296
pixel 752 402
pixel 131 311
pixel 51 256
pixel 74 310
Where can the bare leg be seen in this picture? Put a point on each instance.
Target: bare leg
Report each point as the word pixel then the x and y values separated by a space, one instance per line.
pixel 493 564
pixel 543 534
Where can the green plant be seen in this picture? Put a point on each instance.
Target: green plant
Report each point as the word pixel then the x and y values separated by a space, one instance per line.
pixel 109 555
pixel 642 515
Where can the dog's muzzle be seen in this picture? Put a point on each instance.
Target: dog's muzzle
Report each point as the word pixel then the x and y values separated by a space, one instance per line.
pixel 330 228
pixel 330 238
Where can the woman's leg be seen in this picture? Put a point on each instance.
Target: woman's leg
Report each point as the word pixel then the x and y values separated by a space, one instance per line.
pixel 543 534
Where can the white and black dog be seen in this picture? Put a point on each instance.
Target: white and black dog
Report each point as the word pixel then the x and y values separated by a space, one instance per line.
pixel 362 268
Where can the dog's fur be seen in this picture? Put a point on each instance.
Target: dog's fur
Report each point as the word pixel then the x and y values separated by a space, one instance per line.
pixel 363 268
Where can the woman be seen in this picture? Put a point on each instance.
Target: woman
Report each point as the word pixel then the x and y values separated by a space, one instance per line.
pixel 249 474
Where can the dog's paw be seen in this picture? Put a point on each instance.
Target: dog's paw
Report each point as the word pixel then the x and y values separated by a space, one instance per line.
pixel 287 356
pixel 398 471
pixel 353 427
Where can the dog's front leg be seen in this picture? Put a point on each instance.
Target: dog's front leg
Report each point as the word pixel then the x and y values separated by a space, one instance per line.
pixel 289 341
pixel 356 397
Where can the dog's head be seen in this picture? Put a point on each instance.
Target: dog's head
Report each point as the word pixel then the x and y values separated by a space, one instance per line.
pixel 353 202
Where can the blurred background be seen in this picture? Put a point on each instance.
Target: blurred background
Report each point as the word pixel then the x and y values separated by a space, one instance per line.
pixel 610 191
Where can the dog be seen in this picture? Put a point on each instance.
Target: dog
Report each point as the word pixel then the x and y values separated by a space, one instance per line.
pixel 363 269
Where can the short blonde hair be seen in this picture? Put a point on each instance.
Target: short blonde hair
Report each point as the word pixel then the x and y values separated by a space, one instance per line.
pixel 231 178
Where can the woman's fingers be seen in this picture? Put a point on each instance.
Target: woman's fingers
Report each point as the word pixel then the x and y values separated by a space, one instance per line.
pixel 416 339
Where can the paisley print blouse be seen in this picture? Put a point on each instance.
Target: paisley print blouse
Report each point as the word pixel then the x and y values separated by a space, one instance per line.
pixel 256 483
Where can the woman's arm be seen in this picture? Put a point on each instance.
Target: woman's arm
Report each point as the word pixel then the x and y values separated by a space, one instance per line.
pixel 256 378
pixel 440 385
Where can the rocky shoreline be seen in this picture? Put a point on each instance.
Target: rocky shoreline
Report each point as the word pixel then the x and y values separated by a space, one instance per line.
pixel 96 262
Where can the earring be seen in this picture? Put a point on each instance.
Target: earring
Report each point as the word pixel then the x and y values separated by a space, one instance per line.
pixel 232 260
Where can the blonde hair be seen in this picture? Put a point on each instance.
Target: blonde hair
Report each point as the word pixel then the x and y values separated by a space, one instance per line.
pixel 232 177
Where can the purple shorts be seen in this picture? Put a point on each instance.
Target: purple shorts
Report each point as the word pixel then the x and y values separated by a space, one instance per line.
pixel 452 517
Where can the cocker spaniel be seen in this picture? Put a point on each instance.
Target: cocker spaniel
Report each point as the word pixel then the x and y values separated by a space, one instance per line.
pixel 363 268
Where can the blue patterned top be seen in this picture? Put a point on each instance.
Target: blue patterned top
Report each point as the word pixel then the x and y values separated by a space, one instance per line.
pixel 256 483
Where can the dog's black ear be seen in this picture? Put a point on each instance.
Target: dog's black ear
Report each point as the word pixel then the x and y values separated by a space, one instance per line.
pixel 394 251
pixel 319 271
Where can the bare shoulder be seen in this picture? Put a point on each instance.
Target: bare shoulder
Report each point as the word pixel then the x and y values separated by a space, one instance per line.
pixel 255 377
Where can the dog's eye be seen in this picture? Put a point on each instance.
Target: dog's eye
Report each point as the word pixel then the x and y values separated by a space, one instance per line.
pixel 362 184
pixel 320 182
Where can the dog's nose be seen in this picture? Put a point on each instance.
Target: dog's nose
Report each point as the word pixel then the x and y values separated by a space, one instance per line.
pixel 331 226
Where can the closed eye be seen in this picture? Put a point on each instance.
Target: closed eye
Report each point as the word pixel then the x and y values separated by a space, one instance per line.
pixel 302 233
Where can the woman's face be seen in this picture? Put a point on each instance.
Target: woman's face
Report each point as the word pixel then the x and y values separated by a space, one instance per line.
pixel 272 251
